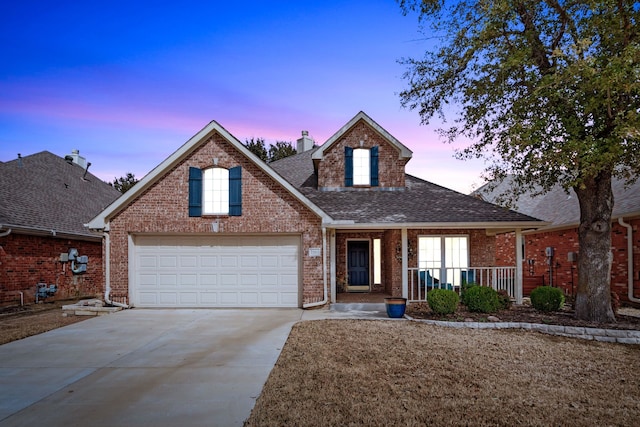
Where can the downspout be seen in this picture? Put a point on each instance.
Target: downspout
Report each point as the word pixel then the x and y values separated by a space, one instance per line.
pixel 5 233
pixel 107 273
pixel 629 259
pixel 324 273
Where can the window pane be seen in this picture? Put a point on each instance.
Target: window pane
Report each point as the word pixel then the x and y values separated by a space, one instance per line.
pixel 215 184
pixel 361 167
pixel 377 262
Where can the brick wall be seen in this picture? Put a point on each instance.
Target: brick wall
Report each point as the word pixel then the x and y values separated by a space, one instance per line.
pixel 390 167
pixel 27 260
pixel 481 253
pixel 341 255
pixel 563 273
pixel 266 208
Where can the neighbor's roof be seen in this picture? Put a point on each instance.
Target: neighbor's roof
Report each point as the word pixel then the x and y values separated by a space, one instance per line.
pixel 560 208
pixel 44 194
pixel 422 203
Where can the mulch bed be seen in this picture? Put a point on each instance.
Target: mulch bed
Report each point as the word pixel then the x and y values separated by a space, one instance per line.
pixel 522 313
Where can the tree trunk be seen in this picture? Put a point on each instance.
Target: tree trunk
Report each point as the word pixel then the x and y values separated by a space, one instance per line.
pixel 593 300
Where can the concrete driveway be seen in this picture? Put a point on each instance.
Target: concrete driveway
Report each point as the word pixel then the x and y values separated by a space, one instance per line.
pixel 144 368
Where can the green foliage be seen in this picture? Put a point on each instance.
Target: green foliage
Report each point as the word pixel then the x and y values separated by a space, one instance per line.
pixel 280 150
pixel 257 147
pixel 277 151
pixel 463 291
pixel 124 183
pixel 482 299
pixel 546 298
pixel 549 93
pixel 442 301
pixel 505 299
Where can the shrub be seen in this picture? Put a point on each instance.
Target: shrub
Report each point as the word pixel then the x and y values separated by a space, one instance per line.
pixel 463 291
pixel 482 299
pixel 546 298
pixel 442 301
pixel 505 299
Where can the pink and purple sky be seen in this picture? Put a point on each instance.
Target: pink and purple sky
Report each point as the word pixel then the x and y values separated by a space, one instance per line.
pixel 127 83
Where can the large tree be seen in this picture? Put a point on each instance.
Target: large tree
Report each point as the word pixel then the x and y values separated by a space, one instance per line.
pixel 549 92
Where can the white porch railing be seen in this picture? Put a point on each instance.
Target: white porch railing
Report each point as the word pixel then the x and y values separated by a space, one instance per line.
pixel 422 280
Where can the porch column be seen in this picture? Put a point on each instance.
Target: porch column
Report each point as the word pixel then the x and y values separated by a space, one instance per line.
pixel 519 254
pixel 405 265
pixel 332 262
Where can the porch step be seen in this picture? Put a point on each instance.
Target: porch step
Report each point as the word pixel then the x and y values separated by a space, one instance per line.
pixel 364 307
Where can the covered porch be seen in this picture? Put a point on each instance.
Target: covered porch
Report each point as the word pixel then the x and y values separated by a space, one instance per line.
pixel 368 265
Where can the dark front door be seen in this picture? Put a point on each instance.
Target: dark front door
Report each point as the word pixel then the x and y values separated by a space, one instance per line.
pixel 358 265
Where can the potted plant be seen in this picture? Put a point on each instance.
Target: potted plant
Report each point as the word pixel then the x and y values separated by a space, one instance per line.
pixel 395 306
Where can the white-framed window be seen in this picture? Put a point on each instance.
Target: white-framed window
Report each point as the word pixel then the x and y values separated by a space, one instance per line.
pixel 445 257
pixel 377 261
pixel 361 166
pixel 215 191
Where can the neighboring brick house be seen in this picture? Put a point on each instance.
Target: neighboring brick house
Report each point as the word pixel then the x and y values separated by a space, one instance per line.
pixel 44 202
pixel 214 226
pixel 558 266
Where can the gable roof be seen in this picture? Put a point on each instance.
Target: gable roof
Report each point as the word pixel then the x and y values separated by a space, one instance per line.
pixel 560 208
pixel 404 152
pixel 102 219
pixel 420 204
pixel 46 195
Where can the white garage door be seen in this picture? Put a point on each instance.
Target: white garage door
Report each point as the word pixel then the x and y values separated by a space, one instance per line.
pixel 205 271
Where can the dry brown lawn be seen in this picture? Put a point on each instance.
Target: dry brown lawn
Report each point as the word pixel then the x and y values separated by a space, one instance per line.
pixel 18 323
pixel 392 373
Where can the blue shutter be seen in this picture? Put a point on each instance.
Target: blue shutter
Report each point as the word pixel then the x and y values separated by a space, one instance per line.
pixel 348 167
pixel 195 192
pixel 373 158
pixel 235 191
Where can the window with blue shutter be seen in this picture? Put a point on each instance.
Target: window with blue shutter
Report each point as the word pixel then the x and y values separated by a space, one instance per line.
pixel 235 191
pixel 195 192
pixel 348 167
pixel 374 166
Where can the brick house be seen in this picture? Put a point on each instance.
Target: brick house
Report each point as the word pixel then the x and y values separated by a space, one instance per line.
pixel 550 252
pixel 215 226
pixel 44 202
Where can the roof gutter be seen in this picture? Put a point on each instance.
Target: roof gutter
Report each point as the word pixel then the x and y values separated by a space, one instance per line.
pixel 46 232
pixel 629 259
pixel 494 226
pixel 5 233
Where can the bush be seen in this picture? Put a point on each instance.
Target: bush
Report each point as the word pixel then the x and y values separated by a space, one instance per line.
pixel 463 291
pixel 442 301
pixel 546 298
pixel 505 299
pixel 482 299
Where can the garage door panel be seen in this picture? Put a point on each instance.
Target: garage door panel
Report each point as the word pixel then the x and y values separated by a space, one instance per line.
pixel 165 261
pixel 204 271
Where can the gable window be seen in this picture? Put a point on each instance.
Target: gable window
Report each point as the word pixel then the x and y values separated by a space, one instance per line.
pixel 215 191
pixel 361 167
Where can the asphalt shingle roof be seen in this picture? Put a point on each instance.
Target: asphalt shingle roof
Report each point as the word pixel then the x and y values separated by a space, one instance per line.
pixel 561 208
pixel 420 202
pixel 44 192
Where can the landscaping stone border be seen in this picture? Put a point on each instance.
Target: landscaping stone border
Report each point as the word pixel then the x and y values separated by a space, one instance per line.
pixel 621 336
